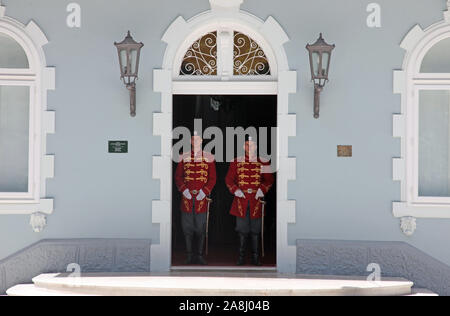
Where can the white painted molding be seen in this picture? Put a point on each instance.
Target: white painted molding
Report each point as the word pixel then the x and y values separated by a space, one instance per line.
pixel 43 206
pixel 447 13
pixel 32 40
pixel 398 166
pixel 225 87
pixel 162 81
pixel 222 5
pixel 49 78
pixel 408 225
pixel 406 83
pixel 399 82
pixel 224 15
pixel 36 34
pixel 49 122
pixel 274 32
pixel 435 211
pixel 399 126
pixel 412 38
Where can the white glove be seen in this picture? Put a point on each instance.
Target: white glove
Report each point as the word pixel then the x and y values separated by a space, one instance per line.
pixel 201 195
pixel 187 194
pixel 239 194
pixel 259 194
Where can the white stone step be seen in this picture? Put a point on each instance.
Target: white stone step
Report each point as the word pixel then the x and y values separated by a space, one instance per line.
pixel 213 284
pixel 421 292
pixel 33 290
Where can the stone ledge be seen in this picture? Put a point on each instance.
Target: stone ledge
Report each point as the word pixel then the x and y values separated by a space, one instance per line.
pixel 93 255
pixel 396 259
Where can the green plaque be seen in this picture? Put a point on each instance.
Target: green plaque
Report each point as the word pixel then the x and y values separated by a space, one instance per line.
pixel 118 147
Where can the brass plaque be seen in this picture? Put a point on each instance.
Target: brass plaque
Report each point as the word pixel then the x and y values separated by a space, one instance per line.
pixel 345 151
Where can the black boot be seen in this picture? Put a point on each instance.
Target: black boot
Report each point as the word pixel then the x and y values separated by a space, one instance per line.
pixel 242 249
pixel 200 250
pixel 255 250
pixel 189 254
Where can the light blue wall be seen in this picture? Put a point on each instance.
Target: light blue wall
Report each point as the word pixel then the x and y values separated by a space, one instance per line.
pixel 109 196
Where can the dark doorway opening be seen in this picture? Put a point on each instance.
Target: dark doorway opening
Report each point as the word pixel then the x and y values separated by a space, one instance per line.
pixel 222 112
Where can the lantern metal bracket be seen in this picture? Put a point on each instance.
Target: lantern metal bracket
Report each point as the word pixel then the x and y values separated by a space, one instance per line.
pixel 132 88
pixel 317 90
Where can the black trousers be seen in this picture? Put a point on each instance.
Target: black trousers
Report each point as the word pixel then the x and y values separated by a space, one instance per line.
pixel 193 223
pixel 247 225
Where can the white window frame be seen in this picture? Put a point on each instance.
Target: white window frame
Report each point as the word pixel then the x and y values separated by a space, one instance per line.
pixel 408 82
pixel 40 79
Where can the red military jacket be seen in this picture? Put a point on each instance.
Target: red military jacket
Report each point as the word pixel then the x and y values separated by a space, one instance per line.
pixel 195 173
pixel 249 177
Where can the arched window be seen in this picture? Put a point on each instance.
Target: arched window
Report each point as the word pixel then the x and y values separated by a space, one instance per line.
pixel 424 123
pixel 24 121
pixel 16 163
pixel 225 54
pixel 431 104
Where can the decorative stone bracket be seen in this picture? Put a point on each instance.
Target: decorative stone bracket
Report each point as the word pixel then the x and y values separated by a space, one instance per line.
pixel 38 221
pixel 408 225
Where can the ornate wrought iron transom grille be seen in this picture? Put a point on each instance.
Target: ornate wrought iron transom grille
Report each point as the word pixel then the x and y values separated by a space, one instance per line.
pixel 201 57
pixel 249 58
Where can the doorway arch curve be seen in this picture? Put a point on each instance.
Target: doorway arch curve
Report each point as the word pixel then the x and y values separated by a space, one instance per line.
pixel 271 37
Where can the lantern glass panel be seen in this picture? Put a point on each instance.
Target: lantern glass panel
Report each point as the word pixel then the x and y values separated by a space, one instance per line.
pixel 124 61
pixel 325 62
pixel 133 57
pixel 316 63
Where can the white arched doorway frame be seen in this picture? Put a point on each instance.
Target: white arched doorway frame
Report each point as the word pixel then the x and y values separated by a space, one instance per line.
pixel 282 82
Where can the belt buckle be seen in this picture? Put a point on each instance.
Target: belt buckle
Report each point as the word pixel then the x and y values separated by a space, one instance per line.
pixel 195 192
pixel 250 191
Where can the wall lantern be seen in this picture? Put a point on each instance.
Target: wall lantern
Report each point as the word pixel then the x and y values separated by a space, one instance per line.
pixel 129 53
pixel 319 58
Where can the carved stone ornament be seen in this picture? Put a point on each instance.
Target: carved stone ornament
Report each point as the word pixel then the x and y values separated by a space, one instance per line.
pixel 38 221
pixel 408 225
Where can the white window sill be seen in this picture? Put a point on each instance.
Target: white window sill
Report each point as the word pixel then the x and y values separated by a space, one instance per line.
pixel 44 206
pixel 404 209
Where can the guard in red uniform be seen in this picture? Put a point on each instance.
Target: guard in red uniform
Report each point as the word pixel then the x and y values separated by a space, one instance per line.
pixel 249 178
pixel 195 178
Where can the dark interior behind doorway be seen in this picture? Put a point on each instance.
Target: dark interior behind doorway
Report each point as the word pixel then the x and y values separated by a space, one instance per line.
pixel 225 111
